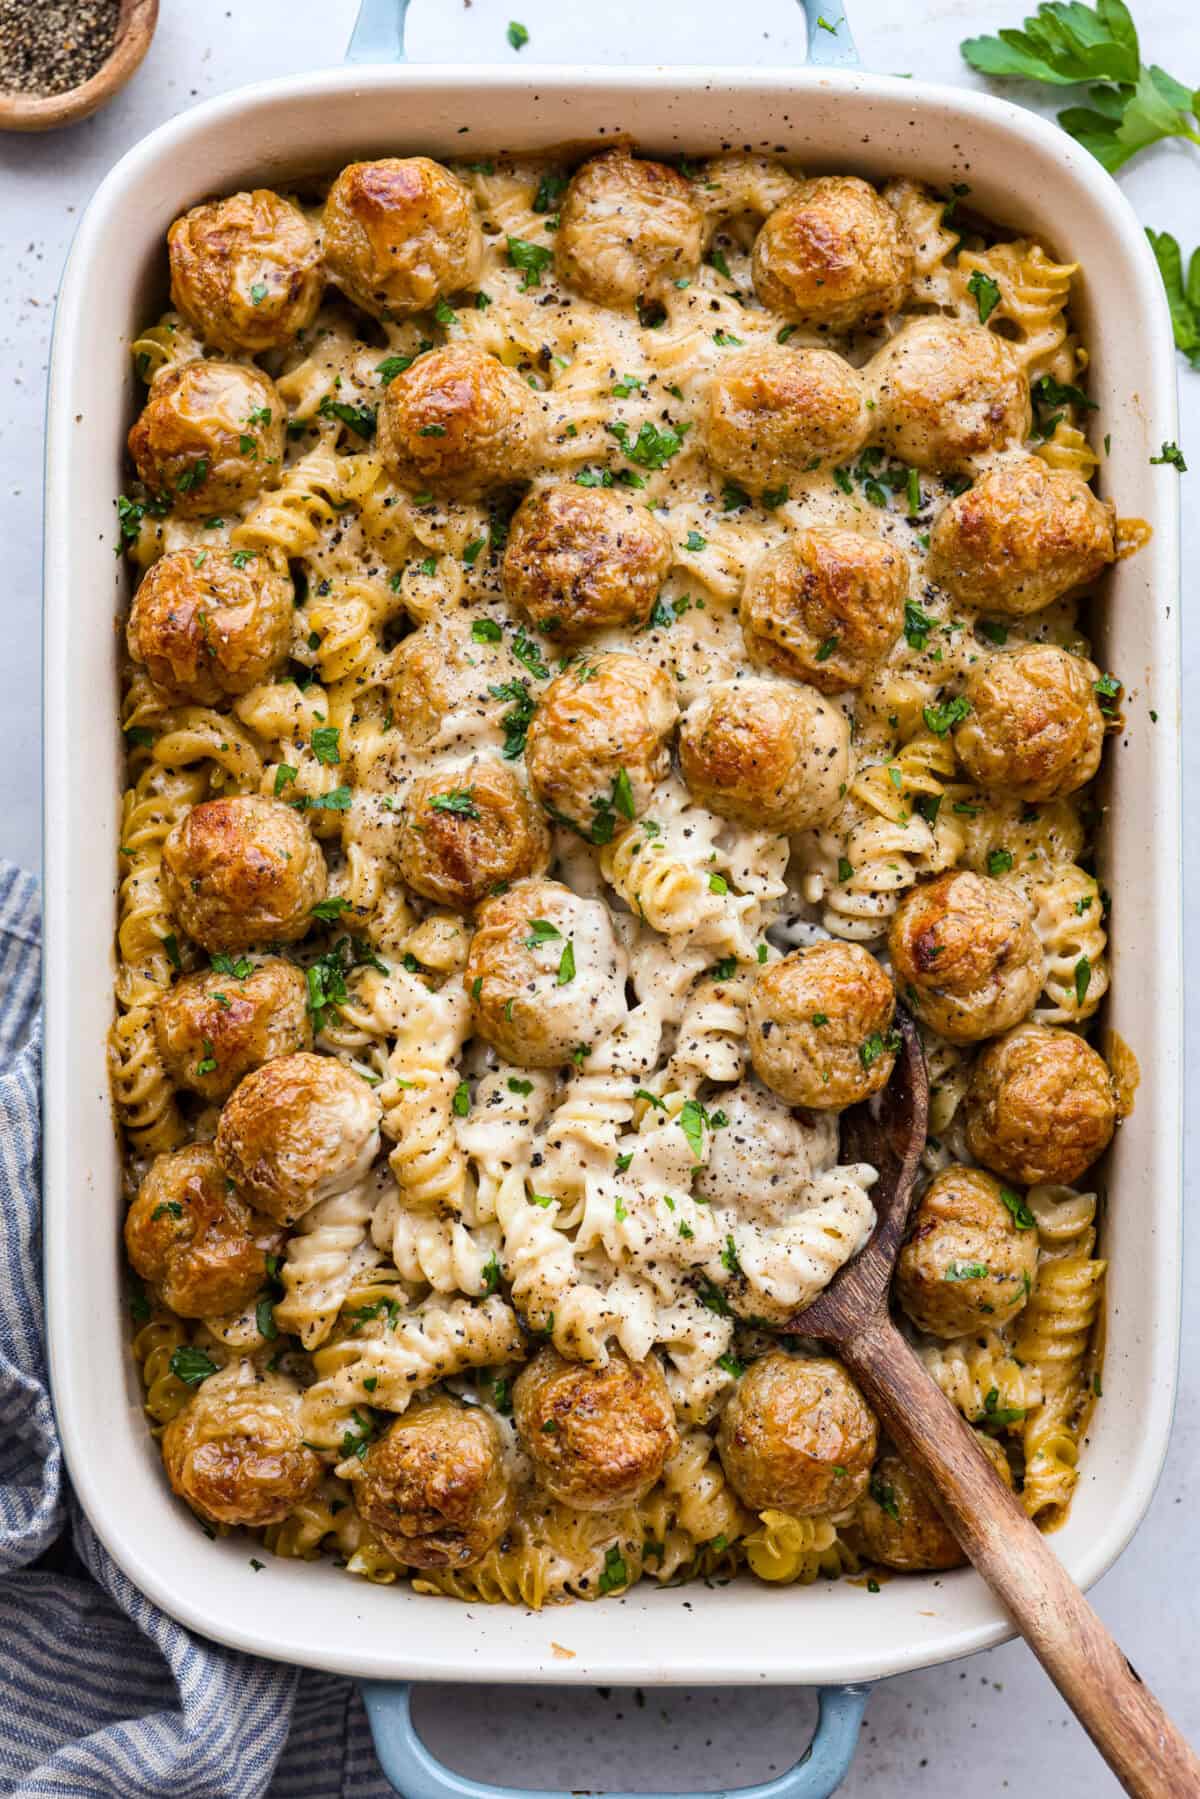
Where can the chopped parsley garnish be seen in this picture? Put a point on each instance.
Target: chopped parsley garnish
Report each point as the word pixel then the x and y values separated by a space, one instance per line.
pixel 491 1273
pixel 461 1103
pixel 359 418
pixel 729 1256
pixel 391 366
pixel 730 1363
pixel 551 189
pixel 826 648
pixel 330 910
pixel 541 931
pixel 917 625
pixel 529 656
pixel 459 800
pixel 718 884
pixel 264 1318
pixel 773 497
pixel 518 1086
pixel 258 293
pixel 966 1271
pixel 986 294
pixel 357 1436
pixel 208 1061
pixel 711 1296
pixel 531 259
pixel 486 630
pixel 999 862
pixel 876 1045
pixel 566 965
pixel 1022 1217
pixel 1083 979
pixel 1108 691
pixel 336 800
pixel 325 745
pixel 193 477
pixel 516 721
pixel 994 632
pixel 725 969
pixel 733 497
pixel 170 944
pixel 695 542
pixel 654 446
pixel 614 1573
pixel 516 34
pixel 170 1208
pixel 941 719
pixel 884 1496
pixel 191 1366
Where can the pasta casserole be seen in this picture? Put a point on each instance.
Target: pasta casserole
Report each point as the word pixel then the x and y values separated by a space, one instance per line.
pixel 607 632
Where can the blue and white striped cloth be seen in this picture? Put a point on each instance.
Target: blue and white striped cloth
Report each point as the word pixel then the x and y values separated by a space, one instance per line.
pixel 102 1696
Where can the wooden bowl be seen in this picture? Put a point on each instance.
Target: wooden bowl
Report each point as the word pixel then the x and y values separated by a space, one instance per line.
pixel 43 112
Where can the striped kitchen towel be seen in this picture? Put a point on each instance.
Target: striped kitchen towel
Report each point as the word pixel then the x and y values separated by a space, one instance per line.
pixel 102 1696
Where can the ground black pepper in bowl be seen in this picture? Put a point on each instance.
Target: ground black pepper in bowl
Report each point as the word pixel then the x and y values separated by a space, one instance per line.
pixel 51 46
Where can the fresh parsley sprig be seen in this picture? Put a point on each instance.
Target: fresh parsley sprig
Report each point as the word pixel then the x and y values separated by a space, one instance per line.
pixel 1183 294
pixel 1069 44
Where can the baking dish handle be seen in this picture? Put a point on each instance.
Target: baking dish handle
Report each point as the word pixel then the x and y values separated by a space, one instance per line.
pixel 417 1774
pixel 379 33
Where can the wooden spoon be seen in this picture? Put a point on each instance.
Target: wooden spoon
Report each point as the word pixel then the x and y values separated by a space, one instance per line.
pixel 1136 1738
pixel 43 112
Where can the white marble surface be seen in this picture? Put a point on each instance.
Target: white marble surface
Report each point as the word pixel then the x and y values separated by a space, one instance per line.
pixel 991 1725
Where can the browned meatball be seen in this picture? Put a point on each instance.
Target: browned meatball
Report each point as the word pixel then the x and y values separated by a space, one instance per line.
pixel 819 1026
pixel 598 742
pixel 965 953
pixel 825 606
pixel 581 558
pixel 241 871
pixel 797 1436
pixel 433 1488
pixel 898 1524
pixel 945 392
pixel 970 1258
pixel 1021 537
pixel 1040 1106
pixel 465 836
pixel 210 436
pixel 545 973
pixel 457 421
pixel 207 624
pixel 235 1452
pixel 400 232
pixel 298 1130
pixel 776 415
pixel 246 271
pixel 627 230
pixel 1035 728
pixel 597 1437
pixel 766 753
pixel 834 256
pixel 214 1027
pixel 442 668
pixel 190 1233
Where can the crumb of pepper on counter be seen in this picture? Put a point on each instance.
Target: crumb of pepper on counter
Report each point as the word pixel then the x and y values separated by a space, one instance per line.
pixel 56 45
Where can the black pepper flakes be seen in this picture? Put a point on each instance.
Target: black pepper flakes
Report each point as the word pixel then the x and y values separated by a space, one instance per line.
pixel 53 46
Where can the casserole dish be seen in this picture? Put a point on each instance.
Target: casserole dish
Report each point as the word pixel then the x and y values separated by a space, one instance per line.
pixel 1023 173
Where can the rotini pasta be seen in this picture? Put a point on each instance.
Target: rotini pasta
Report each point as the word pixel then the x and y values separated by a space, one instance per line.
pixel 628 678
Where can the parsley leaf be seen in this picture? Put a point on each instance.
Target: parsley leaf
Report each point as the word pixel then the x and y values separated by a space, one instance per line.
pixel 515 722
pixel 941 719
pixel 1174 455
pixel 653 446
pixel 516 34
pixel 325 745
pixel 191 1366
pixel 917 625
pixel 986 294
pixel 531 259
pixel 1183 296
pixel 359 418
pixel 459 800
pixel 566 964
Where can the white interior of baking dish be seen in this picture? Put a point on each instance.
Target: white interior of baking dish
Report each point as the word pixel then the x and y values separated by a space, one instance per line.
pixel 1024 174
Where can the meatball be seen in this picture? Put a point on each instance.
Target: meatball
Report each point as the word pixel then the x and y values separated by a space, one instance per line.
pixel 399 233
pixel 765 753
pixel 441 668
pixel 469 834
pixel 235 1452
pixel 597 1437
pixel 208 625
pixel 1035 728
pixel 760 1161
pixel 433 1488
pixel 966 1260
pixel 214 1027
pixel 581 558
pixel 545 973
pixel 458 421
pixel 627 230
pixel 965 952
pixel 825 607
pixel 1039 1106
pixel 776 415
pixel 834 256
pixel 190 1233
pixel 246 271
pixel 1020 538
pixel 819 1026
pixel 946 392
pixel 298 1130
pixel 209 437
pixel 598 742
pixel 898 1524
pixel 242 870
pixel 797 1436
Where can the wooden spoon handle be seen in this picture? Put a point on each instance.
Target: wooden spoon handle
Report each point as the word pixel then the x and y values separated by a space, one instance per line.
pixel 1136 1738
